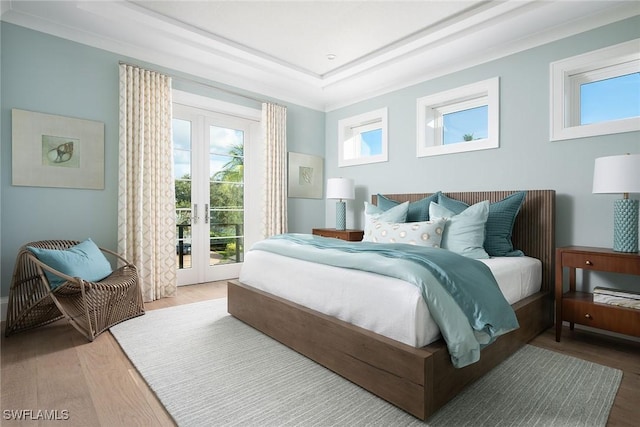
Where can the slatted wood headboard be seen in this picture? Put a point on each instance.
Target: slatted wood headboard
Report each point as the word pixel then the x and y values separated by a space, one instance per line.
pixel 533 231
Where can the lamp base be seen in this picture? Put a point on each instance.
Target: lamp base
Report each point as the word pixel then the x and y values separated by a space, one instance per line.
pixel 625 225
pixel 341 215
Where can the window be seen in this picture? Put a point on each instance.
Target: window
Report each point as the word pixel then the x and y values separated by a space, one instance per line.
pixel 363 139
pixel 464 125
pixel 614 98
pixel 459 120
pixel 596 93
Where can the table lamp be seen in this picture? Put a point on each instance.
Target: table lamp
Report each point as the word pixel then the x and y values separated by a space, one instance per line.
pixel 620 174
pixel 341 189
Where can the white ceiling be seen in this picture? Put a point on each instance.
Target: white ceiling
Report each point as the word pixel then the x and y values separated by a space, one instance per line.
pixel 300 34
pixel 280 48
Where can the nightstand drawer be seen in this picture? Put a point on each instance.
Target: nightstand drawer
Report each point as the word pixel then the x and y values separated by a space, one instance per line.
pixel 599 262
pixel 580 308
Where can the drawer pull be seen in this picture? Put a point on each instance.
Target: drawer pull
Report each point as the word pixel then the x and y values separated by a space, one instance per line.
pixel 588 316
pixel 588 262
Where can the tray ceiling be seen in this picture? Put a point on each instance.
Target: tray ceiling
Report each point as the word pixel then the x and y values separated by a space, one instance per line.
pixel 321 54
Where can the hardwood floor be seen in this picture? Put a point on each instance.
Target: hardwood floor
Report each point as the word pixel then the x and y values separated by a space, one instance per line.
pixel 54 369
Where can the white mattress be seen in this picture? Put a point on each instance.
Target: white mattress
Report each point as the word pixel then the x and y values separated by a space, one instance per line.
pixel 385 305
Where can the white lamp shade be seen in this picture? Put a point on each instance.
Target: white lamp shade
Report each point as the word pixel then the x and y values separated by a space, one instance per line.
pixel 617 174
pixel 340 188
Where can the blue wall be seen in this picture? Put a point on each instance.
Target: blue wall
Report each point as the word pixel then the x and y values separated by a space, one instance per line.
pixel 55 76
pixel 51 75
pixel 526 158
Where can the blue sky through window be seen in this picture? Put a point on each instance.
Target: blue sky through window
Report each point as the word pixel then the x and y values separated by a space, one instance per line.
pixel 474 122
pixel 371 143
pixel 610 99
pixel 181 134
pixel 181 148
pixel 221 142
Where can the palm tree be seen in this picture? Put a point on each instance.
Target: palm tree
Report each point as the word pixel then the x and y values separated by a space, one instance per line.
pixel 233 170
pixel 226 189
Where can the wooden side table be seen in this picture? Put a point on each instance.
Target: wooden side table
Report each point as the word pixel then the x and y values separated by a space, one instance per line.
pixel 578 307
pixel 348 235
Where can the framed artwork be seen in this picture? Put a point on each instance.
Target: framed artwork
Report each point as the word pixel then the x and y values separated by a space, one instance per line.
pixel 305 176
pixel 56 151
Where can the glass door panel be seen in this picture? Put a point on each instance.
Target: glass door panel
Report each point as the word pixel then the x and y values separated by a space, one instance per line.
pixel 209 180
pixel 182 131
pixel 226 195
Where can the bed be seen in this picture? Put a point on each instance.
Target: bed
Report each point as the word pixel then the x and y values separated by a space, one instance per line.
pixel 419 380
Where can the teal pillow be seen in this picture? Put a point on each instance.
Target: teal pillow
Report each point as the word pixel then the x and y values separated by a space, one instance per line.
pixel 84 260
pixel 373 212
pixel 499 229
pixel 455 206
pixel 463 232
pixel 418 211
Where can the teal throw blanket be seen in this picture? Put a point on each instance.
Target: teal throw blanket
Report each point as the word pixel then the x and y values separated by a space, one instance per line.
pixel 461 293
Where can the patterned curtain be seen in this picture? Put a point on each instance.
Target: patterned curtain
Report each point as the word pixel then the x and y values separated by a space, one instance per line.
pixel 146 202
pixel 274 125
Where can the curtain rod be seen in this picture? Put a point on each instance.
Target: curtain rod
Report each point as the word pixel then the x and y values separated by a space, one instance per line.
pixel 188 80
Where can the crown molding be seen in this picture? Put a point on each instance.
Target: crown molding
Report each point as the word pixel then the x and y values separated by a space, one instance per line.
pixel 446 57
pixel 133 32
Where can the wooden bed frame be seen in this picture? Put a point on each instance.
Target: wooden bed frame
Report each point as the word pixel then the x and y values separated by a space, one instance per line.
pixel 418 380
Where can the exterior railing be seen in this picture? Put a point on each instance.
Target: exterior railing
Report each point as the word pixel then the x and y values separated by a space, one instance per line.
pixel 183 248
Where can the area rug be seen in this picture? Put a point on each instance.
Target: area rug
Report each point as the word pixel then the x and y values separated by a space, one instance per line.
pixel 210 369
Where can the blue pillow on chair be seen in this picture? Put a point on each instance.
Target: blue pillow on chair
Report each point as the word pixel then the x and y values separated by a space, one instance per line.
pixel 418 211
pixel 84 260
pixel 499 227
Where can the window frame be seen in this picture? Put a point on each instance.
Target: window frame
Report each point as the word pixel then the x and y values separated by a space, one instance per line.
pixel 365 122
pixel 431 109
pixel 568 74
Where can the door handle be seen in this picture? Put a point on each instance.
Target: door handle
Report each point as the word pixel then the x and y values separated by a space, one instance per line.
pixel 206 213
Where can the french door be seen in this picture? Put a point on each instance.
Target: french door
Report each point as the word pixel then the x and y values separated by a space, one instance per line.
pixel 209 176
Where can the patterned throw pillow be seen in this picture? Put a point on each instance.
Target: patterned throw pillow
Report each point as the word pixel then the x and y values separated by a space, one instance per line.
pixel 422 233
pixel 373 212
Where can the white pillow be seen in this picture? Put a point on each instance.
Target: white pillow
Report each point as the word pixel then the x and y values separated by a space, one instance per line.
pixel 395 214
pixel 464 232
pixel 423 233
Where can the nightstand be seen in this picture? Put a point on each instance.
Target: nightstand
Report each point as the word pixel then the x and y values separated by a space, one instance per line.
pixel 578 307
pixel 348 235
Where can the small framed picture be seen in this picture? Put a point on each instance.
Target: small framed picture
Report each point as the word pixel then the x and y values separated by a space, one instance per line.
pixel 305 176
pixel 56 151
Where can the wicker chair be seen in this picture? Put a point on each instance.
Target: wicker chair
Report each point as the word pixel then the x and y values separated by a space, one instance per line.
pixel 90 307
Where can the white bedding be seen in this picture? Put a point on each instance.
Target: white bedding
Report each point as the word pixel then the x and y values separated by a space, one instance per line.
pixel 385 305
